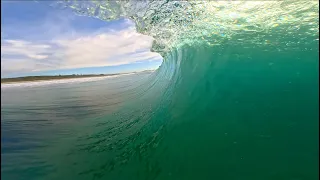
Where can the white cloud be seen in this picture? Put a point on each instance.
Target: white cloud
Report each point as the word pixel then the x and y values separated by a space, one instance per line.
pixel 104 49
pixel 25 48
pixel 91 49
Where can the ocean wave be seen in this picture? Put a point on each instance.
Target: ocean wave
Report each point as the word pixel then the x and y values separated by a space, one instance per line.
pixel 234 73
pixel 175 23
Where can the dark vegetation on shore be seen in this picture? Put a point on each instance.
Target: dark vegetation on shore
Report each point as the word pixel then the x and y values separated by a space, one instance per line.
pixel 57 77
pixel 42 78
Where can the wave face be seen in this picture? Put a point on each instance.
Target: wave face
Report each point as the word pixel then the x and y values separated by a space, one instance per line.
pixel 236 96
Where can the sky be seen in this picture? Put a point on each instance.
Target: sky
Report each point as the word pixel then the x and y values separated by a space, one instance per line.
pixel 39 39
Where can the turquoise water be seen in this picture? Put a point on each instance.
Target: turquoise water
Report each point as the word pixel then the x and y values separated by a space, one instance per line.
pixel 236 97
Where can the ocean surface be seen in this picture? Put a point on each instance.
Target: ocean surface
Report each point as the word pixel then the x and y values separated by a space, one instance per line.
pixel 236 98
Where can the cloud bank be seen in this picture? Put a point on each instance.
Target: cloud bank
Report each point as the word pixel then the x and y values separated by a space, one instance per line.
pixel 73 48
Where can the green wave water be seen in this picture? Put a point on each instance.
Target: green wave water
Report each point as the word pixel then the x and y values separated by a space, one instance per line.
pixel 236 97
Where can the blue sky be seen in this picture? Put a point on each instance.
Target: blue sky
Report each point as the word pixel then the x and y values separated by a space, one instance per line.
pixel 38 39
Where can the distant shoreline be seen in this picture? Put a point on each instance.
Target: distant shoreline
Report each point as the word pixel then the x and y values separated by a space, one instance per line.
pixel 48 78
pixel 56 77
